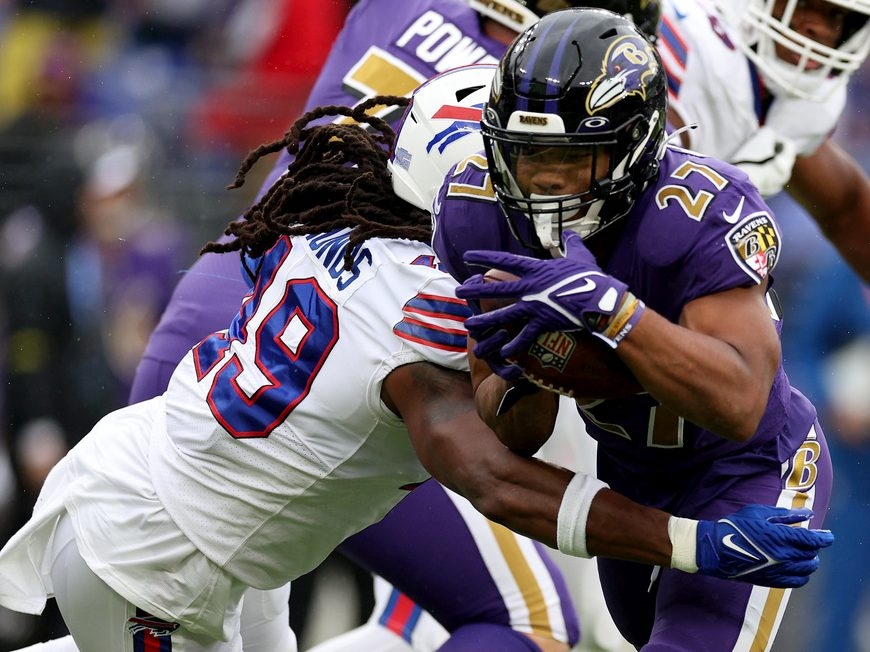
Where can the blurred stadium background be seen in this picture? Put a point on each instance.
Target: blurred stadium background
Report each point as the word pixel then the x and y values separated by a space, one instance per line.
pixel 122 122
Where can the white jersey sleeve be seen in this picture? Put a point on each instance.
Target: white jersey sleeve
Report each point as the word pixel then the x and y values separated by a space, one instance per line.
pixel 789 117
pixel 709 79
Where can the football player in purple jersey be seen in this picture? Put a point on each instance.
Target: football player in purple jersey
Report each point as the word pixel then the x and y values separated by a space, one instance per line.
pixel 664 257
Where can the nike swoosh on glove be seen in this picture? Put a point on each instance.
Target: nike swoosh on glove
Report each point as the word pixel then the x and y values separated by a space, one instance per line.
pixel 759 544
pixel 557 294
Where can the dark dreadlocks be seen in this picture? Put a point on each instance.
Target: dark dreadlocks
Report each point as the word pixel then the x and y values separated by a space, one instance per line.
pixel 337 179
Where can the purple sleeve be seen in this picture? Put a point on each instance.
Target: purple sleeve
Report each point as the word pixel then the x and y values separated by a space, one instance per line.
pixel 688 238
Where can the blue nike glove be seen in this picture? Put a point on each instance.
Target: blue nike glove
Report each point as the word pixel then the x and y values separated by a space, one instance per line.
pixel 759 544
pixel 558 294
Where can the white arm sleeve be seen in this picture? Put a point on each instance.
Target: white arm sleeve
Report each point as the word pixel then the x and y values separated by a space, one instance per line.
pixel 571 522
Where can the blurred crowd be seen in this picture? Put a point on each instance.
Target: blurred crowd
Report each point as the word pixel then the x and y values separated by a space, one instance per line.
pixel 121 123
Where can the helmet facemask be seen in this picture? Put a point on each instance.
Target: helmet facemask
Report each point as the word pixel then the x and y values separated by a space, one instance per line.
pixel 587 82
pixel 610 183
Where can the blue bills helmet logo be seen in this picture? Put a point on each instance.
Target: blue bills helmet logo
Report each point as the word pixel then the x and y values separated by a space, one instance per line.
pixel 466 120
pixel 151 625
pixel 553 350
pixel 628 68
pixel 755 244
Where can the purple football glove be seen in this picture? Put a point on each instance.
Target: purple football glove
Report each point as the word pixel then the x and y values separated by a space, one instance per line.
pixel 559 294
pixel 759 545
pixel 488 346
pixel 489 352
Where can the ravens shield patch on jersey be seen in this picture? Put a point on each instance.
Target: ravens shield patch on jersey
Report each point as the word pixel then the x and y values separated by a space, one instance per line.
pixel 755 245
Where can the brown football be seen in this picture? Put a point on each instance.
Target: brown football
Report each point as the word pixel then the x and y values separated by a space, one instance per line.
pixel 574 363
pixel 494 276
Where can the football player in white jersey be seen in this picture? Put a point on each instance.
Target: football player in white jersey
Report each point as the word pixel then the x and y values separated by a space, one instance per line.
pixel 765 81
pixel 340 386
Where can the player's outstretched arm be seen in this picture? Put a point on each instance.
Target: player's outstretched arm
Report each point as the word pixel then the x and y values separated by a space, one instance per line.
pixel 463 454
pixel 578 514
pixel 834 189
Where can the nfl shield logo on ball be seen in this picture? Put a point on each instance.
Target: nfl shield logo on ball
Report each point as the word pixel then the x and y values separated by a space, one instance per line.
pixel 553 349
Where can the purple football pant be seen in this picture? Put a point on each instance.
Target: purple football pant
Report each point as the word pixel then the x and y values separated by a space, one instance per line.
pixel 677 611
pixel 425 547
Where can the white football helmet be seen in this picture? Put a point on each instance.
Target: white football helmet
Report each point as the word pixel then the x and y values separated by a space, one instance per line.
pixel 441 127
pixel 819 70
